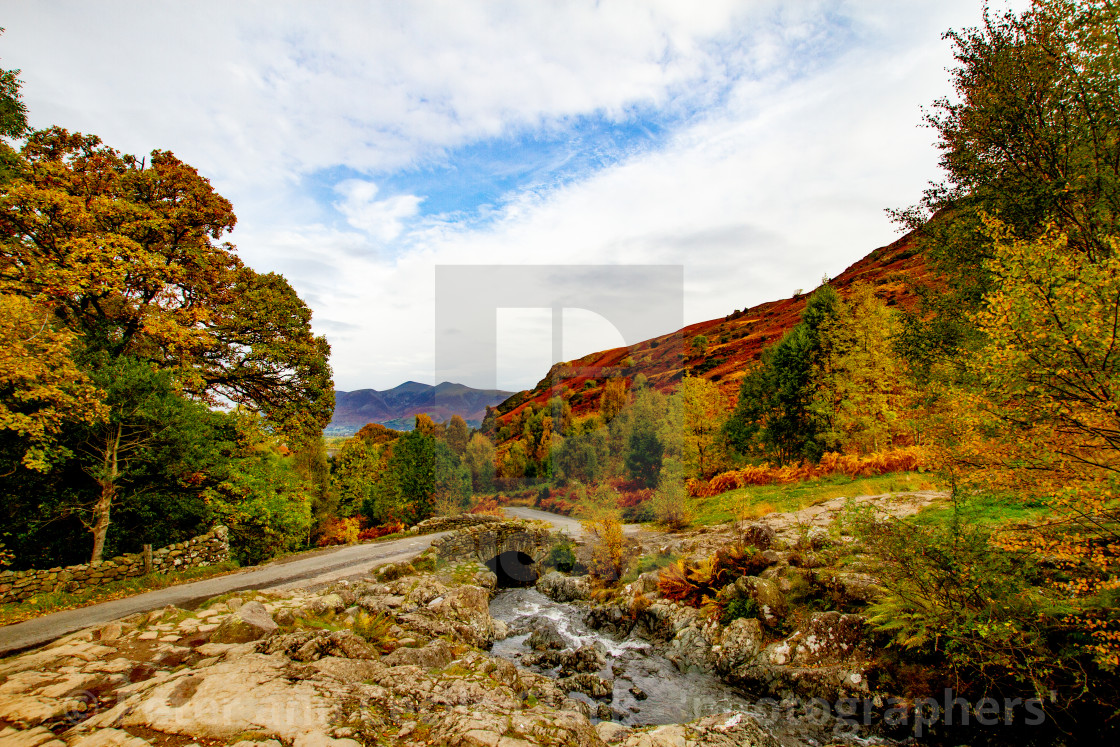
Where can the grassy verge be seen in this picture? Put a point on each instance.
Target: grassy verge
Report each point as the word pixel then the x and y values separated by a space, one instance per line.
pixel 758 500
pixel 45 603
pixel 990 509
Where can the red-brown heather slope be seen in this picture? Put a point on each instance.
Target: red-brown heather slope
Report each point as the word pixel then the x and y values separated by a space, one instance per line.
pixel 735 342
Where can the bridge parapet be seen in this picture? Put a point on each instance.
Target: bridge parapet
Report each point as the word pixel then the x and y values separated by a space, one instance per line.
pixel 487 541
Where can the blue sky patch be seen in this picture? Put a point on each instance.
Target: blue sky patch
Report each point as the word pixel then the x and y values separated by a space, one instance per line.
pixel 465 181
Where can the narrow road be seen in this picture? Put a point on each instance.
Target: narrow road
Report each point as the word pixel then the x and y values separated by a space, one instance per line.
pixel 559 523
pixel 566 524
pixel 308 569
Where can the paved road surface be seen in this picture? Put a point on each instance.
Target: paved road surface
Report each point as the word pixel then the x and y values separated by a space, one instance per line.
pixel 304 570
pixel 561 523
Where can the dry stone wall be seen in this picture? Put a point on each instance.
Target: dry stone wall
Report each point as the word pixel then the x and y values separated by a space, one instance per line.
pixel 208 549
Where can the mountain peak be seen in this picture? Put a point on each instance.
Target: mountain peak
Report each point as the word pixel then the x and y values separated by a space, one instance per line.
pixel 406 400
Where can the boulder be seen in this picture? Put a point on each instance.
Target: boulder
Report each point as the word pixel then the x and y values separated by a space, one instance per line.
pixel 612 733
pixel 312 645
pixel 740 644
pixel 857 588
pixel 469 606
pixel 611 617
pixel 546 637
pixel 109 738
pixel 433 655
pixel 327 603
pixel 757 535
pixel 319 739
pixel 252 693
pixel 583 659
pixel 690 650
pixel 40 736
pixel 564 588
pixel 591 685
pixel 772 607
pixel 829 638
pixel 250 622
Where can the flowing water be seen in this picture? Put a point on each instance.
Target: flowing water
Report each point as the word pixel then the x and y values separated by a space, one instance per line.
pixel 671 696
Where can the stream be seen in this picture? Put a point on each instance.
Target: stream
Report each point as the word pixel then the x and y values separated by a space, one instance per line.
pixel 647 688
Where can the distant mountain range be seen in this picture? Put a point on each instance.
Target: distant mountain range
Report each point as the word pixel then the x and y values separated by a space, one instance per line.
pixel 397 407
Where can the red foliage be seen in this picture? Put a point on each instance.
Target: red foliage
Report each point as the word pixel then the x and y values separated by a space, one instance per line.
pixel 340 532
pixel 381 531
pixel 487 505
pixel 633 498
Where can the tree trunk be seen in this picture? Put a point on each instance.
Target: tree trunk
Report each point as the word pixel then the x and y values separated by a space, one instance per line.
pixel 108 482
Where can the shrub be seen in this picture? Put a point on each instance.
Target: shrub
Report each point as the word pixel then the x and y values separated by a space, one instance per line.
pixel 487 505
pixel 698 584
pixel 425 562
pixel 647 563
pixel 670 502
pixel 738 607
pixel 895 460
pixel 610 552
pixel 952 595
pixel 561 557
pixel 340 532
pixel 376 630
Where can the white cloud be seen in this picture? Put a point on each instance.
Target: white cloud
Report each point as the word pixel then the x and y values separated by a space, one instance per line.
pixel 383 220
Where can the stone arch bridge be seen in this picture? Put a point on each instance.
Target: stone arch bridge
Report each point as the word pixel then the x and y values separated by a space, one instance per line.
pixel 511 549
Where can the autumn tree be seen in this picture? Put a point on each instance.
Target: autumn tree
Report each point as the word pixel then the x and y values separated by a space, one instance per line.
pixel 583 455
pixel 704 413
pixel 424 424
pixel 613 399
pixel 13 120
pixel 375 433
pixel 860 385
pixel 458 435
pixel 479 458
pixel 645 448
pixel 699 345
pixel 357 467
pixel 125 257
pixel 126 254
pixel 260 495
pixel 1030 138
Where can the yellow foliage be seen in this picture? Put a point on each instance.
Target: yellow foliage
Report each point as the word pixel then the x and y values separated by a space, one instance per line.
pixel 47 389
pixel 610 551
pixel 1039 413
pixel 863 389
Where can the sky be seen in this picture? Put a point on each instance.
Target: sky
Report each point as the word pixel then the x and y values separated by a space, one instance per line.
pixel 752 144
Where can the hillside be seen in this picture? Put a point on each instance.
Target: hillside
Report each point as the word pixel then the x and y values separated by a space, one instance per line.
pixel 735 342
pixel 397 406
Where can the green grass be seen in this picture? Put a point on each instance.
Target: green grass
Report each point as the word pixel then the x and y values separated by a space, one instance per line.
pixel 756 500
pixel 986 508
pixel 47 602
